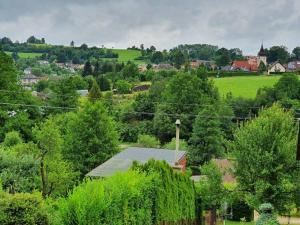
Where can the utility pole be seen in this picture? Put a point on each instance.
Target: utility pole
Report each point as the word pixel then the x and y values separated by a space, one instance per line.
pixel 177 139
pixel 298 145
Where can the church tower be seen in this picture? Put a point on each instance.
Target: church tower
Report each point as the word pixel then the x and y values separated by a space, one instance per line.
pixel 262 56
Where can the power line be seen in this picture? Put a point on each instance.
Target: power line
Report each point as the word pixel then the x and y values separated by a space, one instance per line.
pixel 156 102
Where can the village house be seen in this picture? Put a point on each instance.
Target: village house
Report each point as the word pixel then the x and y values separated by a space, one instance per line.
pixel 123 160
pixel 30 79
pixel 251 63
pixel 276 67
pixel 194 64
pixel 293 66
pixel 162 66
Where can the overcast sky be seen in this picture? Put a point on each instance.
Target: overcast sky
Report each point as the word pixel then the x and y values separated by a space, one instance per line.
pixel 163 23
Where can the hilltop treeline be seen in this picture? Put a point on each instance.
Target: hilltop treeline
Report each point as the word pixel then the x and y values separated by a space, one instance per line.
pixel 61 54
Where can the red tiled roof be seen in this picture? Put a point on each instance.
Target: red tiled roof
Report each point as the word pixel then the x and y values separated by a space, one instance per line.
pixel 241 64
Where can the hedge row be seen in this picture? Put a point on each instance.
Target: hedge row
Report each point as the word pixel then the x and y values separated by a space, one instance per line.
pixel 22 208
pixel 231 74
pixel 149 194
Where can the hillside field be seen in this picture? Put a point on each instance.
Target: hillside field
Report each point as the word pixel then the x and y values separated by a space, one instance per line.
pixel 126 55
pixel 26 55
pixel 244 86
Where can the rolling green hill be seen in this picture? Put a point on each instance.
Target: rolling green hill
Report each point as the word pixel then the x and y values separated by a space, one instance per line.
pixel 244 86
pixel 128 55
pixel 26 55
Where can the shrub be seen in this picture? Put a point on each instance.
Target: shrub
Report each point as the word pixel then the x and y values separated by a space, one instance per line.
pixel 266 215
pixel 25 209
pixel 123 87
pixel 148 194
pixel 12 138
pixel 148 141
pixel 121 199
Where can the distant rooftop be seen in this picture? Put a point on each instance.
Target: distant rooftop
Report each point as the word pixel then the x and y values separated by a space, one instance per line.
pixel 123 160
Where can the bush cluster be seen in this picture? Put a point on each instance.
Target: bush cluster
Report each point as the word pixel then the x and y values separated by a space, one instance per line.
pixel 25 209
pixel 148 194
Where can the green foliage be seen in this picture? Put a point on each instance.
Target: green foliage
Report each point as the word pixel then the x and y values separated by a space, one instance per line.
pixel 25 209
pixel 56 174
pixel 148 141
pixel 12 138
pixel 173 195
pixel 262 67
pixel 18 172
pixel 206 140
pixel 222 57
pixel 123 87
pixel 211 188
pixel 90 137
pixel 265 158
pixel 183 96
pixel 240 209
pixel 103 83
pixel 95 92
pixel 121 199
pixel 87 70
pixel 150 194
pixel 64 93
pixel 183 146
pixel 266 215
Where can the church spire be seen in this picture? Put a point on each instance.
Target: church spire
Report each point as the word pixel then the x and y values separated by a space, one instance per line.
pixel 262 50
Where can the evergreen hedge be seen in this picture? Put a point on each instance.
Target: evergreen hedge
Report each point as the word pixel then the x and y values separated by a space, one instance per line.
pixel 148 194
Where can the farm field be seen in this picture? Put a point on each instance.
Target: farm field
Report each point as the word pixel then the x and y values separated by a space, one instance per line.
pixel 126 55
pixel 244 86
pixel 26 55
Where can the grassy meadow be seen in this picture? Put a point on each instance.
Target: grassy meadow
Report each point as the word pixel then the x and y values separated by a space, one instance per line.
pixel 26 55
pixel 245 86
pixel 126 55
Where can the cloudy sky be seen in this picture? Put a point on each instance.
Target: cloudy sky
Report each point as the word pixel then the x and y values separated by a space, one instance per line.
pixel 163 23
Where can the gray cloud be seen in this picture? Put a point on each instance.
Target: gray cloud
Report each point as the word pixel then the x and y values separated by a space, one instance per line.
pixel 164 23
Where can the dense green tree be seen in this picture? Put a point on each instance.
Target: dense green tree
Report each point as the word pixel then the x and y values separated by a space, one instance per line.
pixel 262 67
pixel 181 99
pixel 296 53
pixel 278 53
pixel 91 137
pixel 12 138
pixel 206 139
pixel 18 172
pixel 288 86
pixel 95 92
pixel 123 87
pixel 130 70
pixel 15 56
pixel 236 54
pixel 56 174
pixel 265 151
pixel 157 57
pixel 103 83
pixel 222 57
pixel 64 93
pixel 177 58
pixel 87 69
pixel 211 189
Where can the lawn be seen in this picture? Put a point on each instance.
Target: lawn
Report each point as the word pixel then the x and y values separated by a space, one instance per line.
pixel 26 55
pixel 245 86
pixel 128 55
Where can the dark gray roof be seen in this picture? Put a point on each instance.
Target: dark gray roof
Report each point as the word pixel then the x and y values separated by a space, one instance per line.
pixel 123 160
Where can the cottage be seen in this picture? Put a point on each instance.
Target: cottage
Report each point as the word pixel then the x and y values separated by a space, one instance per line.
pixel 276 67
pixel 30 79
pixel 162 66
pixel 123 160
pixel 293 66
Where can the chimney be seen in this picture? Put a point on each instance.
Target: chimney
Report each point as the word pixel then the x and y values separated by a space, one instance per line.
pixel 177 139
